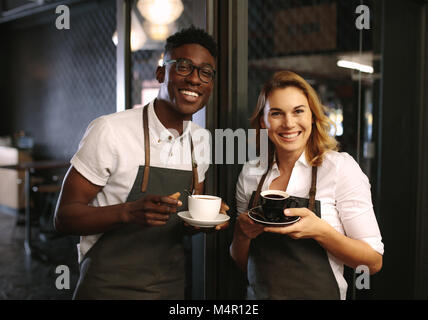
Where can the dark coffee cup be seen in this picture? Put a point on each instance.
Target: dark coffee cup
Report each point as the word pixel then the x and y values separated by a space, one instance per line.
pixel 273 204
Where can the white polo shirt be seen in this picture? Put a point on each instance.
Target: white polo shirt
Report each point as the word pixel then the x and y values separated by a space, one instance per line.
pixel 112 150
pixel 343 190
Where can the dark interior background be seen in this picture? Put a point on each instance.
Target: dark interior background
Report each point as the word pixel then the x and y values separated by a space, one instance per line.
pixel 54 82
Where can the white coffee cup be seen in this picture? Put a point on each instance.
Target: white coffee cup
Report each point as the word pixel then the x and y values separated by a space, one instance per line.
pixel 204 207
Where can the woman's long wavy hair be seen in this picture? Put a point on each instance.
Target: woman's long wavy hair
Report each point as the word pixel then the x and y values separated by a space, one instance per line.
pixel 320 142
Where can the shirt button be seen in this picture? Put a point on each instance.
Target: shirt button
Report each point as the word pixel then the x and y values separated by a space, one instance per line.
pixel 169 138
pixel 159 141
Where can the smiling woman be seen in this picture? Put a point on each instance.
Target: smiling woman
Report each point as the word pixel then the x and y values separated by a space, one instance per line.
pixel 288 118
pixel 298 95
pixel 337 225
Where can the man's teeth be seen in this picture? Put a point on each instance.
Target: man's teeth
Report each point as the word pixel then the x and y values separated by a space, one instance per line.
pixel 190 93
pixel 289 136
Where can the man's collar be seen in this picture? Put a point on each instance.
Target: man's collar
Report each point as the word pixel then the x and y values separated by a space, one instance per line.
pixel 159 131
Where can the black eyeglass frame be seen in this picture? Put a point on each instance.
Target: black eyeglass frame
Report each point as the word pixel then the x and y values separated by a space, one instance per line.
pixel 192 68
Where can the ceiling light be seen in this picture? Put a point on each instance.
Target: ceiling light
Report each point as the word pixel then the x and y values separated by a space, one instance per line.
pixel 159 32
pixel 355 66
pixel 160 11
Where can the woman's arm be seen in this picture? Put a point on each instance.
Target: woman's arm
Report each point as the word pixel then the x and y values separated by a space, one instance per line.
pixel 351 252
pixel 245 230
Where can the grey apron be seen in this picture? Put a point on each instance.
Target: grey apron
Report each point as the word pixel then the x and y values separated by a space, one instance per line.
pixel 135 262
pixel 280 267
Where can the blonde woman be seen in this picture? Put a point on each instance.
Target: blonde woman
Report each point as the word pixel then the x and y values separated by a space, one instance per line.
pixel 303 260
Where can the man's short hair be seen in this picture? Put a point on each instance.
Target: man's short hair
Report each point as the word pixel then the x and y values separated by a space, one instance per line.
pixel 191 35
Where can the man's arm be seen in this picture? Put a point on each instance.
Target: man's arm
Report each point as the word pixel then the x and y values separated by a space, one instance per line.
pixel 74 215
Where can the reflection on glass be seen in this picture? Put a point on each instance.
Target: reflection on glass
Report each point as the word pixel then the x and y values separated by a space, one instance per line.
pixel 336 115
pixel 138 36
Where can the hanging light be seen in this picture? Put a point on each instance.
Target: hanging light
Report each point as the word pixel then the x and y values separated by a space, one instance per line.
pixel 159 32
pixel 160 12
pixel 138 36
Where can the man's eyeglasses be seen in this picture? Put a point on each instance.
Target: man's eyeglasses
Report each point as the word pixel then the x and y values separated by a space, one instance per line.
pixel 185 67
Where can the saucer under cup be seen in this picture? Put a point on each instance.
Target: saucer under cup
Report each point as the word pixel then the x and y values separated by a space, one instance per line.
pixel 204 207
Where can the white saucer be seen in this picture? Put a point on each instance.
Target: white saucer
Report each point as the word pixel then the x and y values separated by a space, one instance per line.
pixel 257 215
pixel 221 218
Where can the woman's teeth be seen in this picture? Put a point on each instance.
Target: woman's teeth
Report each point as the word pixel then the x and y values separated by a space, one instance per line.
pixel 289 136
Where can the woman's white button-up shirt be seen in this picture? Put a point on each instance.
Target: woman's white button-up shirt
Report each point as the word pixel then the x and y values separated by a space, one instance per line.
pixel 343 190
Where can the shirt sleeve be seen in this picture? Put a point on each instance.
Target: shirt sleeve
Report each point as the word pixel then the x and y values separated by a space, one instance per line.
pixel 202 169
pixel 96 157
pixel 353 201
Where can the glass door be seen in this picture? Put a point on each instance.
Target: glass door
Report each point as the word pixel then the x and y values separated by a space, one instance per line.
pixel 333 44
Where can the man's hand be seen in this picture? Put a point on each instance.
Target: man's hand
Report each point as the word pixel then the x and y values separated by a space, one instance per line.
pixel 151 210
pixel 223 210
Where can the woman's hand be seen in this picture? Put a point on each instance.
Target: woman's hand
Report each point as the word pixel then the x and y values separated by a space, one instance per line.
pixel 245 230
pixel 248 227
pixel 352 252
pixel 309 225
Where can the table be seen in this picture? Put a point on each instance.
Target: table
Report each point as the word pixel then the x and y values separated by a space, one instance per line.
pixel 29 168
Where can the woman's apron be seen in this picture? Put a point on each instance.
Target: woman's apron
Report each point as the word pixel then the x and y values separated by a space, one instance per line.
pixel 135 262
pixel 280 267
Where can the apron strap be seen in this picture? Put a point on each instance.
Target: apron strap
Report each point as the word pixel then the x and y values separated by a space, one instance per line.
pixel 312 191
pixel 147 155
pixel 195 178
pixel 146 149
pixel 259 188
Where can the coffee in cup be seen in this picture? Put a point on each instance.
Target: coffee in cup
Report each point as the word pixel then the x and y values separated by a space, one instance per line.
pixel 204 207
pixel 273 204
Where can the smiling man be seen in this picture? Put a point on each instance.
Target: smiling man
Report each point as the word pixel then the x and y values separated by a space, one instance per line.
pixel 187 78
pixel 122 191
